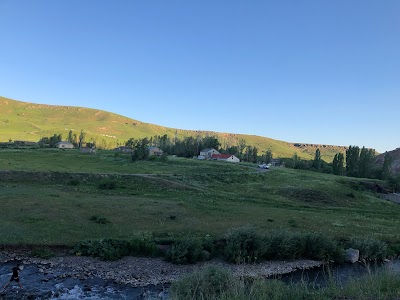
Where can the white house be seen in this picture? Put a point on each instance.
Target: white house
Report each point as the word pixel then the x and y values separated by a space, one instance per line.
pixel 64 145
pixel 225 157
pixel 207 153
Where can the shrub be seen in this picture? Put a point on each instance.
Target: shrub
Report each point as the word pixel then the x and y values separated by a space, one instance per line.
pixel 280 245
pixel 322 247
pixel 42 253
pixel 394 249
pixel 209 283
pixel 370 248
pixel 188 250
pixel 289 245
pixel 143 244
pixel 74 182
pixel 108 185
pixel 242 245
pixel 100 220
pixel 105 249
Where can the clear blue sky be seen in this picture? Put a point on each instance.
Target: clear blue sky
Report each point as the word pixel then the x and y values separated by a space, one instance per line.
pixel 301 71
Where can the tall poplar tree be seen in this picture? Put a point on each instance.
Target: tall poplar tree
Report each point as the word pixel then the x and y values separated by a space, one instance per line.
pixel 317 160
pixel 352 160
pixel 386 166
pixel 268 156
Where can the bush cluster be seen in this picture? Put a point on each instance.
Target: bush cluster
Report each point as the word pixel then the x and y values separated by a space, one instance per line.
pixel 240 245
pixel 246 245
pixel 210 283
pixel 99 220
pixel 370 249
pixel 113 249
pixel 108 185
pixel 189 250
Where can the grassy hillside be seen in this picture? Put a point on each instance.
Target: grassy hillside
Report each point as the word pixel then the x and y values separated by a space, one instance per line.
pixel 50 197
pixel 30 122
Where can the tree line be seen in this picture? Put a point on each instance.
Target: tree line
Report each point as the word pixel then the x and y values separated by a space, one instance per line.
pixel 355 162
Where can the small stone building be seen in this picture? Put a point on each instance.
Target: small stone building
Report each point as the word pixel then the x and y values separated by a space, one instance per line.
pixel 64 145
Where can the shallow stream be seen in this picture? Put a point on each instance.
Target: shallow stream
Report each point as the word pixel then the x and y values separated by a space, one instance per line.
pixel 55 285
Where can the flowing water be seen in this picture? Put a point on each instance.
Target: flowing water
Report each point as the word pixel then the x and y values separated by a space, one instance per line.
pixel 38 286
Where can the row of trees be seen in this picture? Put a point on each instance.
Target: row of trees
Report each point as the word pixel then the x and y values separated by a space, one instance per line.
pixel 73 138
pixel 355 163
pixel 191 146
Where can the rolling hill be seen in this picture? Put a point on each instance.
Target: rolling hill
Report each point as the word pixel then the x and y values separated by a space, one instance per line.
pixel 28 121
pixel 395 155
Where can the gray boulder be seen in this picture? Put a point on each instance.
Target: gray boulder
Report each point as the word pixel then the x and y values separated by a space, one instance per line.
pixel 351 255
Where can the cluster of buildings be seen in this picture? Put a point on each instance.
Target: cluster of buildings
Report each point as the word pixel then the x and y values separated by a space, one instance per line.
pixel 212 154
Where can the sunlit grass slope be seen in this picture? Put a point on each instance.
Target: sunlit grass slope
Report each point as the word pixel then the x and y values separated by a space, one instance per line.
pixel 28 121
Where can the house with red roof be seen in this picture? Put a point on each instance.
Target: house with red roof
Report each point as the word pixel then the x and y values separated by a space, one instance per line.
pixel 225 157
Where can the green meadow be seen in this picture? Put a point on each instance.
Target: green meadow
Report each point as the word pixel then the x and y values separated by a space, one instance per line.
pixel 54 197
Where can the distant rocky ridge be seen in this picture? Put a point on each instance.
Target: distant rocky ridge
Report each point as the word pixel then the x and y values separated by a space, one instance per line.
pixel 395 155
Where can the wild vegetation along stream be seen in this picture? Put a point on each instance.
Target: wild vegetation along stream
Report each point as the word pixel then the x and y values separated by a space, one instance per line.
pixel 45 280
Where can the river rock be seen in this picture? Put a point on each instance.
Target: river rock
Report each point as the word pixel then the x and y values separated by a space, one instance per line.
pixel 352 255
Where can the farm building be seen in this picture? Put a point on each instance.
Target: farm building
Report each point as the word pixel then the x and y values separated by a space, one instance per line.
pixel 64 145
pixel 225 157
pixel 123 149
pixel 88 150
pixel 154 151
pixel 207 153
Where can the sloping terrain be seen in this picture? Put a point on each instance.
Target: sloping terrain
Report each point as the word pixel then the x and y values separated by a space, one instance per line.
pixel 395 166
pixel 29 122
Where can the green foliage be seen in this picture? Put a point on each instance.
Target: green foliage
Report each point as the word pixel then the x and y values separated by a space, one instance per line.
pixel 283 244
pixel 113 249
pixel 370 249
pixel 268 156
pixel 143 244
pixel 386 166
pixel 74 182
pixel 317 160
pixel 164 157
pixel 108 185
pixel 352 161
pixel 210 283
pixel 338 164
pixel 219 284
pixel 100 220
pixel 242 245
pixel 394 183
pixel 187 250
pixel 43 253
pixel 105 249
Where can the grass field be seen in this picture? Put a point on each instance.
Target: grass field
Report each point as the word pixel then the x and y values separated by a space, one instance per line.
pixel 51 196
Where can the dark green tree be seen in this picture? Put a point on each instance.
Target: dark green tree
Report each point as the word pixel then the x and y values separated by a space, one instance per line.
pixel 338 164
pixel 386 166
pixel 352 160
pixel 82 136
pixel 365 162
pixel 254 155
pixel 317 160
pixel 268 156
pixel 295 160
pixel 70 138
pixel 140 149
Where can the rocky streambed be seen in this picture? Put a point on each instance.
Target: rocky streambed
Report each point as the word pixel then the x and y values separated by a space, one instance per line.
pixel 75 277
